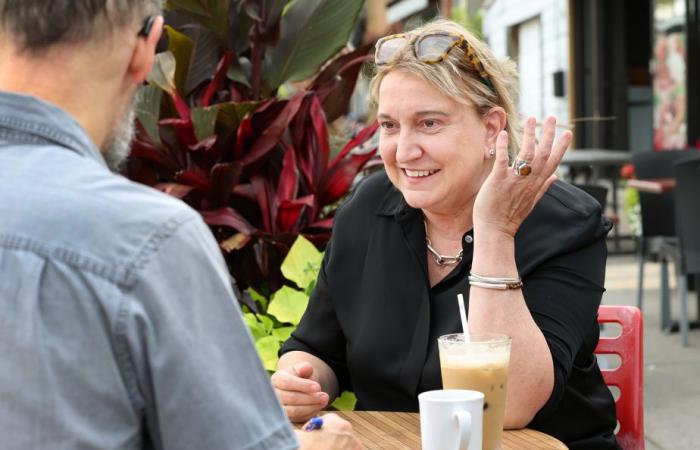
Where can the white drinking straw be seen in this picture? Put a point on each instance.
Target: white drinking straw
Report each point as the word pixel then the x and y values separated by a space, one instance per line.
pixel 463 316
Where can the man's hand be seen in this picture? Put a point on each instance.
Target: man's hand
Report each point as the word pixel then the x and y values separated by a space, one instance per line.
pixel 335 434
pixel 298 392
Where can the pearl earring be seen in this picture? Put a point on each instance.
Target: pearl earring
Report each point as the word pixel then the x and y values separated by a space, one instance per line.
pixel 492 152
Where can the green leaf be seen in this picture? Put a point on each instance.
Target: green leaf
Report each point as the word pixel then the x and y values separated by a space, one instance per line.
pixel 302 263
pixel 204 121
pixel 346 402
pixel 148 110
pixel 266 323
pixel 208 48
pixel 213 14
pixel 257 329
pixel 259 298
pixel 267 350
pixel 311 32
pixel 283 333
pixel 163 72
pixel 231 114
pixel 181 47
pixel 288 305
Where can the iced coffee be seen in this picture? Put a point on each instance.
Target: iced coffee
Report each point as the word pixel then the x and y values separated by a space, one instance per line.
pixel 480 365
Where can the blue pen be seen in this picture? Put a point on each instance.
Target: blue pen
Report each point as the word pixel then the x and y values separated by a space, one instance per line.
pixel 314 424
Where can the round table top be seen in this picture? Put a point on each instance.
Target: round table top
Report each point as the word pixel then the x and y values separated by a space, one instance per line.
pixel 399 431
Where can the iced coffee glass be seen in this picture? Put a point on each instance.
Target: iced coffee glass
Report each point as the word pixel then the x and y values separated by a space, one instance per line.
pixel 479 365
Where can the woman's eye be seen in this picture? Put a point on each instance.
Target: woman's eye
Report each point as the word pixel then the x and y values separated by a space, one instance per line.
pixel 387 125
pixel 430 123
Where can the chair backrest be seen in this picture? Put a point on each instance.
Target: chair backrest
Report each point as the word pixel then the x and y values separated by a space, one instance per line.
pixel 687 173
pixel 628 377
pixel 657 210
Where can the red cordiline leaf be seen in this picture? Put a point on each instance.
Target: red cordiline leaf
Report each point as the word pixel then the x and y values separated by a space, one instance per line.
pixel 205 145
pixel 320 134
pixel 193 177
pixel 289 213
pixel 364 135
pixel 335 83
pixel 264 195
pixel 224 177
pixel 183 128
pixel 219 77
pixel 289 178
pixel 273 131
pixel 228 217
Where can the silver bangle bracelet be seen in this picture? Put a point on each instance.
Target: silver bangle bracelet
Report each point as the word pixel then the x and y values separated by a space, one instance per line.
pixel 495 282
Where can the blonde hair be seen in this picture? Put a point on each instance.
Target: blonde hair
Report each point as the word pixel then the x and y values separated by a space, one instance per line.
pixel 458 79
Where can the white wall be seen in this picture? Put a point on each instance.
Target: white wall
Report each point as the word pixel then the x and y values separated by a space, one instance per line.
pixel 501 15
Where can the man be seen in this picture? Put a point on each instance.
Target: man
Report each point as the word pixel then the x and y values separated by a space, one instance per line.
pixel 118 325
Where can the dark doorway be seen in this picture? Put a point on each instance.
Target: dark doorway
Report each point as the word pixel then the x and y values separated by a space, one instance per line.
pixel 612 85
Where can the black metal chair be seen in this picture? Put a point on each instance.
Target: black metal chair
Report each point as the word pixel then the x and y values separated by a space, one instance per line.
pixel 658 241
pixel 687 174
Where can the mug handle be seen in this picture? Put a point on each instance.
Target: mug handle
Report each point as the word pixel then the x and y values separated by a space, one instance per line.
pixel 464 422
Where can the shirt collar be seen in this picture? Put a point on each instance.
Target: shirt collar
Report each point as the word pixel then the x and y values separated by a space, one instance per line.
pixel 393 204
pixel 43 121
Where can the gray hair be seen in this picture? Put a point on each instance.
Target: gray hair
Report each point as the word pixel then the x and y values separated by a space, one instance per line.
pixel 36 25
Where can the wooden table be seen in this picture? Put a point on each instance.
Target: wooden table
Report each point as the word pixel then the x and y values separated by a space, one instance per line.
pixel 653 185
pixel 401 431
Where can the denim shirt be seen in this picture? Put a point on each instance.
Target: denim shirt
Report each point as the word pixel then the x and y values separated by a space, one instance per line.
pixel 118 325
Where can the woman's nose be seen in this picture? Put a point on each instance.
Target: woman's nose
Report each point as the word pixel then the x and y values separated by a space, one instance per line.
pixel 407 147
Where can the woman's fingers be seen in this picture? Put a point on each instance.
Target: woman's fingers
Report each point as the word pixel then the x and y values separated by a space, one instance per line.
pixel 301 413
pixel 558 150
pixel 545 145
pixel 318 399
pixel 287 381
pixel 528 146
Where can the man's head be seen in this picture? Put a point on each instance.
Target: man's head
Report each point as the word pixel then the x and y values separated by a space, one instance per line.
pixel 86 56
pixel 37 25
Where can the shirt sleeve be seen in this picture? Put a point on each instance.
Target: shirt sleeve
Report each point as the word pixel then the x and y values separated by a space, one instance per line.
pixel 563 296
pixel 319 332
pixel 197 371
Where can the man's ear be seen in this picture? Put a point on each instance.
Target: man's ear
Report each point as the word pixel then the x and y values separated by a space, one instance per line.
pixel 145 52
pixel 494 121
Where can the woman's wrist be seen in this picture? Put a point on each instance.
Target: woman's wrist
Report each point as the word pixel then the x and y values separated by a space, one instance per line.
pixel 494 255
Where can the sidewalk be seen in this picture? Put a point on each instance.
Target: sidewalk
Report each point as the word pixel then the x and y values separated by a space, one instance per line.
pixel 671 372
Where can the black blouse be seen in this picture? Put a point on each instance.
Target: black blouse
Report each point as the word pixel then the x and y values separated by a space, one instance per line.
pixel 375 320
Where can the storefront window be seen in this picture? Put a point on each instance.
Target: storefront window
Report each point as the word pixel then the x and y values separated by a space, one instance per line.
pixel 669 68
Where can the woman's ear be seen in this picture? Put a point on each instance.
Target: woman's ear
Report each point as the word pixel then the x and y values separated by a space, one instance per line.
pixel 494 121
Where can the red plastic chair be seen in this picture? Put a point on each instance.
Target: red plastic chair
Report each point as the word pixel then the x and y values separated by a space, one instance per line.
pixel 628 376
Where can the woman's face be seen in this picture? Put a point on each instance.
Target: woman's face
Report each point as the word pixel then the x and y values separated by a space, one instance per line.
pixel 435 150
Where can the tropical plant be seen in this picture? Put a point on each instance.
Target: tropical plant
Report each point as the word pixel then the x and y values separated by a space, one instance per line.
pixel 220 127
pixel 277 318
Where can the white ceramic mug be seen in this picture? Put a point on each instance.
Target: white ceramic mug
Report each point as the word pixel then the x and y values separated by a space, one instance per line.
pixel 451 419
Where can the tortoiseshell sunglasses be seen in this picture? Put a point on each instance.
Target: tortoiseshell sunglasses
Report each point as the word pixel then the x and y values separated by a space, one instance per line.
pixel 431 47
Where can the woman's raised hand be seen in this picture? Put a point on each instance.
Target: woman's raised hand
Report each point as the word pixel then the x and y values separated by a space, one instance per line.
pixel 507 197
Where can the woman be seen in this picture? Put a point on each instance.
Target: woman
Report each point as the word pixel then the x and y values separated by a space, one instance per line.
pixel 449 207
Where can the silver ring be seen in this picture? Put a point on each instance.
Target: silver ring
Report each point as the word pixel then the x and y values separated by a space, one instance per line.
pixel 522 168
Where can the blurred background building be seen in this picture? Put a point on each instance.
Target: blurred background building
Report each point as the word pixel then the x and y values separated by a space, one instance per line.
pixel 615 71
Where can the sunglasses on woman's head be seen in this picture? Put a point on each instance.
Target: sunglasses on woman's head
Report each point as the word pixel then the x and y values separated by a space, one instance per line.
pixel 431 47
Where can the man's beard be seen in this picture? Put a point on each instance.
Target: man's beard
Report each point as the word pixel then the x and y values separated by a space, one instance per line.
pixel 118 145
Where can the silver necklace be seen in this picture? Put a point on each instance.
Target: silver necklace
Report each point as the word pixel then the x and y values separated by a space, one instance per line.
pixel 441 260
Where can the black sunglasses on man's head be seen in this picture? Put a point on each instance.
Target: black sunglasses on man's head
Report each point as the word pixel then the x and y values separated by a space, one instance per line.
pixel 145 30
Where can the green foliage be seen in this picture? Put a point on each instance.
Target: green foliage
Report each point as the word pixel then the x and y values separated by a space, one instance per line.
pixel 471 23
pixel 345 402
pixel 279 316
pixel 632 210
